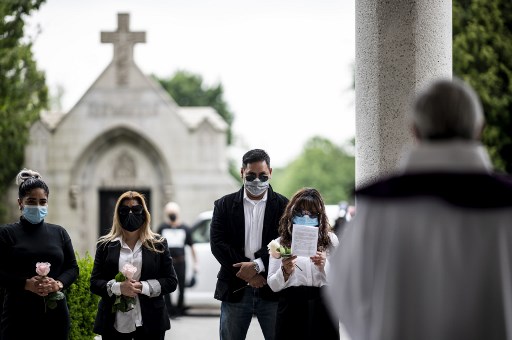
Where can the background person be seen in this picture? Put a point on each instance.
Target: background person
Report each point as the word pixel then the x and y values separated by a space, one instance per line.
pixel 243 224
pixel 428 254
pixel 131 240
pixel 301 313
pixel 345 215
pixel 178 236
pixel 22 245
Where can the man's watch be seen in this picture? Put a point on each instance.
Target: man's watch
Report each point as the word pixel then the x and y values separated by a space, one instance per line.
pixel 256 266
pixel 61 286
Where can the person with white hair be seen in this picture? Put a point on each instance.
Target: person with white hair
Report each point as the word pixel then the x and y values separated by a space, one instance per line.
pixel 428 254
pixel 178 236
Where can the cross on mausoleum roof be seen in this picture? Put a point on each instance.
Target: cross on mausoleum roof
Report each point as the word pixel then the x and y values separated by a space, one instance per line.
pixel 123 41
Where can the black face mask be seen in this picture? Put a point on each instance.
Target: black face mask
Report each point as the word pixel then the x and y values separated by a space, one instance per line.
pixel 132 222
pixel 172 217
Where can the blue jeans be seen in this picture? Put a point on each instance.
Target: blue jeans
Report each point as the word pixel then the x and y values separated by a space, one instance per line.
pixel 235 317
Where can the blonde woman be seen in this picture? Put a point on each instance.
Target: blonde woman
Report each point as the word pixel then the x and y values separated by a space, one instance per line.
pixel 131 242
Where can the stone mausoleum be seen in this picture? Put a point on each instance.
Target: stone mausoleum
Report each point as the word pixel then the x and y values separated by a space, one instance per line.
pixel 126 133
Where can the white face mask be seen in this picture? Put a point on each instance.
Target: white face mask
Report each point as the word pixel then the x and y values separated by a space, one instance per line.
pixel 256 187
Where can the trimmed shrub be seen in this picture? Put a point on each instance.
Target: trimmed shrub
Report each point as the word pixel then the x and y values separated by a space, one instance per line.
pixel 82 304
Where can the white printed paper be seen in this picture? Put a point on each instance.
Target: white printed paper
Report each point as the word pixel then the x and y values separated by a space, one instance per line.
pixel 304 240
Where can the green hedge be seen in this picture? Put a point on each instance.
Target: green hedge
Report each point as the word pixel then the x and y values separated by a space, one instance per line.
pixel 82 304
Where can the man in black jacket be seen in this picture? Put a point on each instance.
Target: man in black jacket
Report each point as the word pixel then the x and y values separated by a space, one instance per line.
pixel 243 224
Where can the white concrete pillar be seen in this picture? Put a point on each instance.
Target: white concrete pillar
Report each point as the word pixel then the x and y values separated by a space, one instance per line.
pixel 400 46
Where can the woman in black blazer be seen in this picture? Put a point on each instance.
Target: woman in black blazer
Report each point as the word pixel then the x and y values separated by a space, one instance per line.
pixel 131 242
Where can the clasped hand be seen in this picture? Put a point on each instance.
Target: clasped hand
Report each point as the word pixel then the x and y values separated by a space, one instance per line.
pixel 249 274
pixel 41 285
pixel 130 288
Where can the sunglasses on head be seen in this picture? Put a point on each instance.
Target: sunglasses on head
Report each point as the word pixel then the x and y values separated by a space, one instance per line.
pixel 136 209
pixel 252 177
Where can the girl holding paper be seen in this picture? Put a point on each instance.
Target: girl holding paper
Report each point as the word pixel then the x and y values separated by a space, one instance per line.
pixel 302 313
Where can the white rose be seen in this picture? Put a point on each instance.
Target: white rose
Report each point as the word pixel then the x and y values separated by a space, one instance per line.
pixel 273 249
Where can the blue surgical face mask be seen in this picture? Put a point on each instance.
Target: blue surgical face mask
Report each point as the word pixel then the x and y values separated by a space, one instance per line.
pixel 35 213
pixel 305 220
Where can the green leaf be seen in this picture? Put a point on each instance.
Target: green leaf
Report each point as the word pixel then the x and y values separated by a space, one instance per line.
pixel 120 277
pixel 82 304
pixel 123 304
pixel 482 56
pixel 285 251
pixel 188 89
pixel 23 91
pixel 331 170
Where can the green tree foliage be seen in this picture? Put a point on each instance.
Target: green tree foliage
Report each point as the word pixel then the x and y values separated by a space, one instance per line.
pixel 23 91
pixel 187 89
pixel 482 56
pixel 82 304
pixel 322 165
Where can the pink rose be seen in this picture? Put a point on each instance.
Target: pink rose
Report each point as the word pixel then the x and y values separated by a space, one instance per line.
pixel 43 268
pixel 129 270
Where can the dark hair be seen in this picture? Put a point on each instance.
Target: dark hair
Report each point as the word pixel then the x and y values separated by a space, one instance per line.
pixel 311 200
pixel 255 155
pixel 29 180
